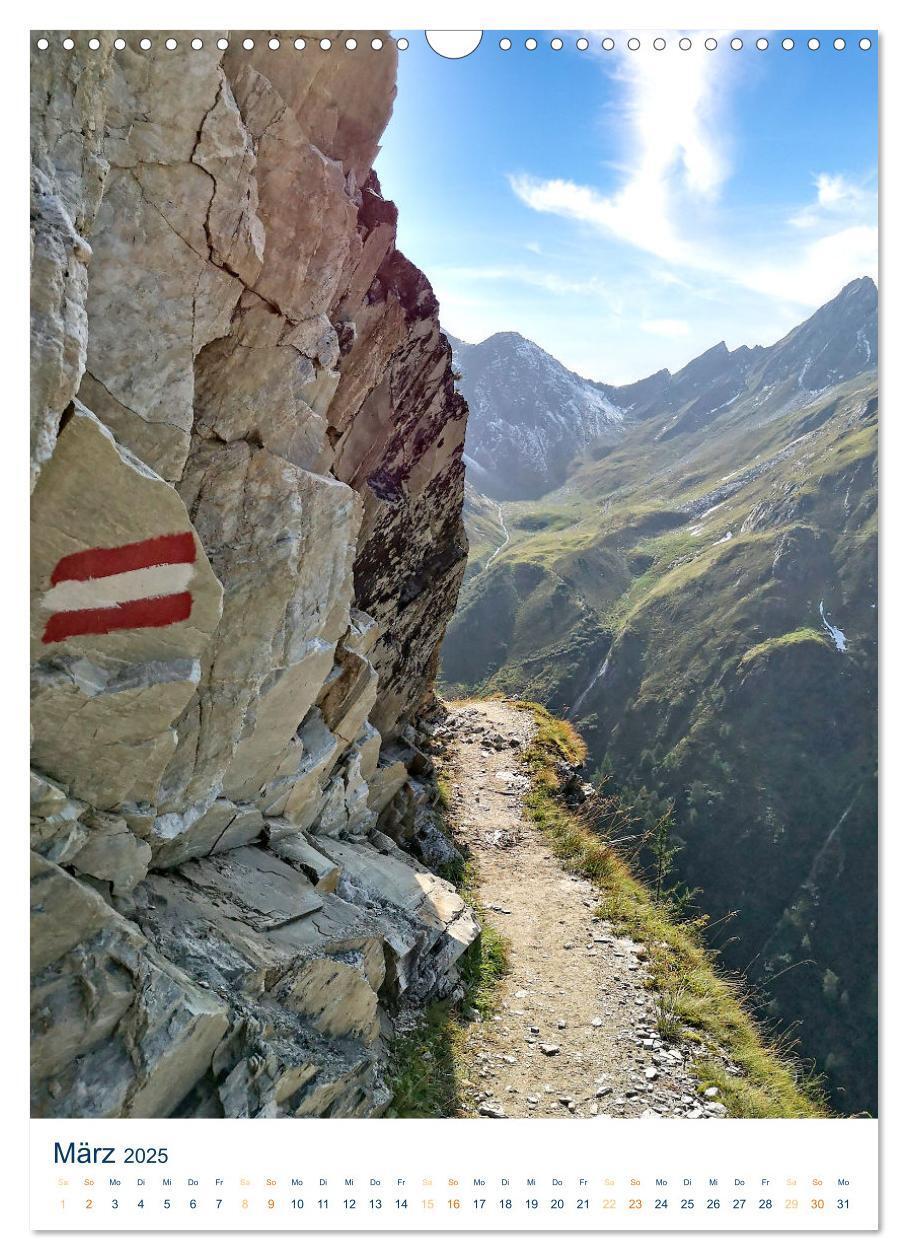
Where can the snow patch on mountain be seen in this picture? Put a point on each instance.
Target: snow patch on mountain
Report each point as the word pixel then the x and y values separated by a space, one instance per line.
pixel 530 416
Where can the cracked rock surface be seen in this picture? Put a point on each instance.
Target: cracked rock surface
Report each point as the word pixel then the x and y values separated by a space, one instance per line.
pixel 235 369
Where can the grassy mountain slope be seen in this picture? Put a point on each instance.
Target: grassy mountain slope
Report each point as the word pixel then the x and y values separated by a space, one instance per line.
pixel 753 1076
pixel 686 598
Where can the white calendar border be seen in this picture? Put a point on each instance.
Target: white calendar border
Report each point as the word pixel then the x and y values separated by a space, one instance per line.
pixel 305 1175
pixel 13 504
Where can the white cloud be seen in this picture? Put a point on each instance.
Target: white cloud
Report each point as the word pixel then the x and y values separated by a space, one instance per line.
pixel 832 189
pixel 677 115
pixel 548 281
pixel 816 272
pixel 837 198
pixel 666 327
pixel 670 114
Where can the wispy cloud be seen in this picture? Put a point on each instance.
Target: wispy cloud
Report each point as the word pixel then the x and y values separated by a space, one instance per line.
pixel 677 111
pixel 809 275
pixel 837 199
pixel 548 281
pixel 669 113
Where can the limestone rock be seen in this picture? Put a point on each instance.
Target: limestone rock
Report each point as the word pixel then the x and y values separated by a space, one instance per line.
pixel 64 912
pixel 292 846
pixel 388 779
pixel 56 830
pixel 47 798
pixel 281 540
pixel 69 104
pixel 108 691
pixel 254 886
pixel 246 545
pixel 272 719
pixel 363 633
pixel 163 286
pixel 425 898
pixel 117 1030
pixel 111 852
pixel 222 826
pixel 299 795
pixel 349 694
pixel 225 150
pixel 266 381
pixel 345 806
pixel 290 988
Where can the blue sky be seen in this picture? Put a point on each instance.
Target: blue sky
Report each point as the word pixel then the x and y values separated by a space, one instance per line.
pixel 626 210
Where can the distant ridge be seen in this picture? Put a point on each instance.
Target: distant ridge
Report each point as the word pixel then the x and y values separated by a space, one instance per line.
pixel 530 416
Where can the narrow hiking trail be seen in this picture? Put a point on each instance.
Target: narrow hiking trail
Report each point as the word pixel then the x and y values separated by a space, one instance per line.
pixel 575 1030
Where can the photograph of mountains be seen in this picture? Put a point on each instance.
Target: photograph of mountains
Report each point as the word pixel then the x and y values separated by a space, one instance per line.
pixel 453 575
pixel 686 567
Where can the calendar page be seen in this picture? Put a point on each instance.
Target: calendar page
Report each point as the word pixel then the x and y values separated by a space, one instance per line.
pixel 454 629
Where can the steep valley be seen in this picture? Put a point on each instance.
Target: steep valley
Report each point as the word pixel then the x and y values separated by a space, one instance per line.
pixel 700 598
pixel 271 876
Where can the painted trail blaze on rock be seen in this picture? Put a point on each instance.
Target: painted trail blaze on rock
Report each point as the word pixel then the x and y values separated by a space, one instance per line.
pixel 204 517
pixel 102 589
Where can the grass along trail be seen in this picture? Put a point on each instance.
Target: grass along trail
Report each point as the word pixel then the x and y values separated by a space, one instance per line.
pixel 574 1031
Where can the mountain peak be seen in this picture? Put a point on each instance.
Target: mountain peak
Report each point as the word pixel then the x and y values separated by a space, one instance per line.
pixel 837 342
pixel 863 284
pixel 529 416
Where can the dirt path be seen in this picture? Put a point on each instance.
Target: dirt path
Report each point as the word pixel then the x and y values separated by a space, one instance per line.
pixel 575 1034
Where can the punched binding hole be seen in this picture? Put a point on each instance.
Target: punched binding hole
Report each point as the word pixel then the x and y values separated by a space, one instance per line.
pixel 505 44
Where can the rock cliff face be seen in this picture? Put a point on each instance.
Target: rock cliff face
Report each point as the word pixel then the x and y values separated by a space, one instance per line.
pixel 246 460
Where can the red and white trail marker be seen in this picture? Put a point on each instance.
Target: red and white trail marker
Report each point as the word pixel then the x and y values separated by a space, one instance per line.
pixel 132 587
